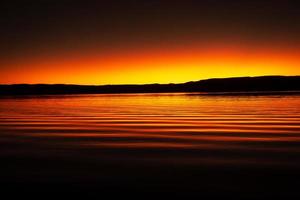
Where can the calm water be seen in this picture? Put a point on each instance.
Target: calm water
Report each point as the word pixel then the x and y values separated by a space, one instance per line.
pixel 228 143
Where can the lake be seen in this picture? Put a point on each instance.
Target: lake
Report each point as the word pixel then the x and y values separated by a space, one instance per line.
pixel 181 143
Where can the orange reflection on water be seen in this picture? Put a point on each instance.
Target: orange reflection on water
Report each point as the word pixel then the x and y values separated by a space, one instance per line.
pixel 153 120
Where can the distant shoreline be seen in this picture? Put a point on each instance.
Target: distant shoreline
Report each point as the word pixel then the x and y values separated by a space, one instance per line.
pixel 217 86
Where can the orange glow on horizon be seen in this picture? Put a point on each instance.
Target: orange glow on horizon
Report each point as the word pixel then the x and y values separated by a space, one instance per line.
pixel 152 66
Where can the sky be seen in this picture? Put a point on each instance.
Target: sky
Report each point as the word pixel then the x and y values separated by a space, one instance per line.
pixel 139 41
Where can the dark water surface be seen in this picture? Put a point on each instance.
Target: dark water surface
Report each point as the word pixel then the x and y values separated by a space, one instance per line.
pixel 183 144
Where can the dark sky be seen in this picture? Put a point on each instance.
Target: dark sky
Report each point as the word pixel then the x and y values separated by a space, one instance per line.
pixel 33 28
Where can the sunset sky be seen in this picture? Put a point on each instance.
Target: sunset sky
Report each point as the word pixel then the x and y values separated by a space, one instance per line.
pixel 122 42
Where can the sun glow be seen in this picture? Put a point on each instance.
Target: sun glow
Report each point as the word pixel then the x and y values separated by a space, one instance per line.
pixel 152 66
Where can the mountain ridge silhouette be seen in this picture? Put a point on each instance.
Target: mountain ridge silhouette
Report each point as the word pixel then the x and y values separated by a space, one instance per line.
pixel 235 84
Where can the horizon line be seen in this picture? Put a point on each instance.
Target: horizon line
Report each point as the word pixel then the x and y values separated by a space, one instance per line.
pixel 150 83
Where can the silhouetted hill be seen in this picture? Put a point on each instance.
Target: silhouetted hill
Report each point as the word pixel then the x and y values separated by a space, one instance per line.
pixel 241 84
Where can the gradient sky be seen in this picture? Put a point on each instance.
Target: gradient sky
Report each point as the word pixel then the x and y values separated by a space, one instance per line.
pixel 119 42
